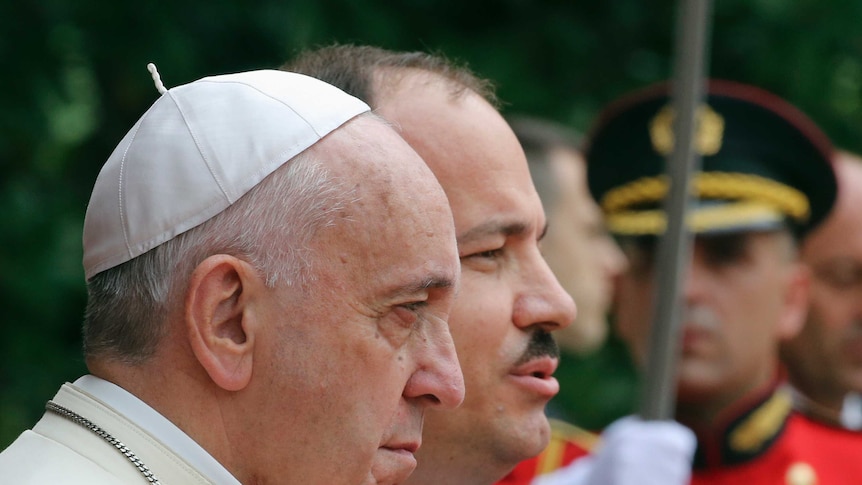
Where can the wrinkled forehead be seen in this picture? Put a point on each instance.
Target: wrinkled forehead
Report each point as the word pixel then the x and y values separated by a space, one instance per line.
pixel 395 220
pixel 386 176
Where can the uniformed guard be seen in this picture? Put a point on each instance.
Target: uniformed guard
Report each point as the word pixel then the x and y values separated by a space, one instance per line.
pixel 766 181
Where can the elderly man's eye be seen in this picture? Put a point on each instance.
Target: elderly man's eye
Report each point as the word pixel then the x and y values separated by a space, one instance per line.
pixel 410 313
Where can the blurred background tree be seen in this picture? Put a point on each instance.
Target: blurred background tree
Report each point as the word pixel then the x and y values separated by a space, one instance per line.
pixel 74 81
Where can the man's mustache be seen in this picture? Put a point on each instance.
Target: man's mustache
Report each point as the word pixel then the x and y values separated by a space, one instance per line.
pixel 541 344
pixel 702 317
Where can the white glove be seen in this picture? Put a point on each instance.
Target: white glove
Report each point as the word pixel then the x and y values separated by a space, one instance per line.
pixel 633 452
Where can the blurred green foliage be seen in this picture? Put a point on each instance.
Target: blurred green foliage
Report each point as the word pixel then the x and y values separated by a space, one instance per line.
pixel 74 81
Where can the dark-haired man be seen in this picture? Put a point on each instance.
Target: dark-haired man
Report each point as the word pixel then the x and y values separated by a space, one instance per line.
pixel 509 300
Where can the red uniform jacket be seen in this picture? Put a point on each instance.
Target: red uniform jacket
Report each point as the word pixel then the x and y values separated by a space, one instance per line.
pixel 761 441
pixel 768 443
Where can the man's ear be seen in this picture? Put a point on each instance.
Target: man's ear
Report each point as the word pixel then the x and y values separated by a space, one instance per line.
pixel 795 301
pixel 218 322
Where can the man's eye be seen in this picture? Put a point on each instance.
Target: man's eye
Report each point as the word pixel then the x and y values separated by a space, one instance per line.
pixel 725 250
pixel 415 306
pixel 409 313
pixel 490 254
pixel 843 276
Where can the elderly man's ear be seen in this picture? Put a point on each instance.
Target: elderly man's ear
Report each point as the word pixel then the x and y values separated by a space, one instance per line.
pixel 221 327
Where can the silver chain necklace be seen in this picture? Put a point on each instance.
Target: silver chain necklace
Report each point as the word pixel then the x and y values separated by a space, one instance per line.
pixel 77 418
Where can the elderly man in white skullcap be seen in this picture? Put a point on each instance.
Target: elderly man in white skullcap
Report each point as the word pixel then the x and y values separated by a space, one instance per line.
pixel 270 271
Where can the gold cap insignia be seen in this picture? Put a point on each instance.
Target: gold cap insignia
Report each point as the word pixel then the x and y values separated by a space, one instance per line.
pixel 710 131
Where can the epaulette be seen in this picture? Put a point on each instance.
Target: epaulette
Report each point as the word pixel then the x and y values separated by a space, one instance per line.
pixel 568 442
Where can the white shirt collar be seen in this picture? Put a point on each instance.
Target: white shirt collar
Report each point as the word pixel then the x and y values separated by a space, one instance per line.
pixel 851 412
pixel 165 431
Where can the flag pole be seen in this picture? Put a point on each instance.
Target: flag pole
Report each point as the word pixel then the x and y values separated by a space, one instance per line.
pixel 674 250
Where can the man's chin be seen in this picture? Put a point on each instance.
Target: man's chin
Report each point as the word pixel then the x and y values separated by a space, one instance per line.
pixel 543 435
pixel 391 467
pixel 530 438
pixel 696 388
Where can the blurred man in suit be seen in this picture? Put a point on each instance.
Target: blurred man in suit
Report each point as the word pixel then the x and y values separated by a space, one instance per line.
pixel 824 362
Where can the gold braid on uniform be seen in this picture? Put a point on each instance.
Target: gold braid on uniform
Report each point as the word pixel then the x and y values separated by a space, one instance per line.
pixel 561 432
pixel 755 197
pixel 763 424
pixel 705 218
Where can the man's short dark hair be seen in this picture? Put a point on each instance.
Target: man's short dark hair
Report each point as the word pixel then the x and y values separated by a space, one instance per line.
pixel 352 68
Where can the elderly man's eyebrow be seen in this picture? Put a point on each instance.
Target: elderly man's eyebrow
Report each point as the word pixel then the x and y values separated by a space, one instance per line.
pixel 421 285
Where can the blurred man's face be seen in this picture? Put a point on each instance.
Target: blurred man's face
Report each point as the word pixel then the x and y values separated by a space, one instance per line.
pixel 579 250
pixel 825 360
pixel 742 293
